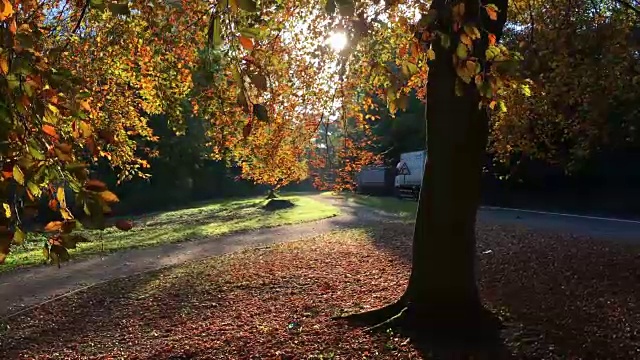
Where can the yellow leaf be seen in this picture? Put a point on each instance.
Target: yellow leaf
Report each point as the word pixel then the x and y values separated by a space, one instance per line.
pixel 61 198
pixel 472 32
pixel 7 210
pixel 462 51
pixel 18 175
pixel 6 9
pixel 431 54
pixel 85 105
pixel 19 236
pixel 66 214
pixel 492 105
pixel 108 196
pixel 85 129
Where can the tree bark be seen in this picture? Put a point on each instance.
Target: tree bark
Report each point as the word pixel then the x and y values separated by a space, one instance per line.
pixel 442 288
pixel 442 292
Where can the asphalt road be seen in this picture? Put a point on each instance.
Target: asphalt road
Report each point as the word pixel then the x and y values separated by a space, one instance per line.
pixel 605 228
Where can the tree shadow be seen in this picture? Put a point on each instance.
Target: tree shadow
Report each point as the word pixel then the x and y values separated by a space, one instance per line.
pixel 556 294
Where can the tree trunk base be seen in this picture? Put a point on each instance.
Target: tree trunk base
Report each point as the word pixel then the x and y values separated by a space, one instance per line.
pixel 475 324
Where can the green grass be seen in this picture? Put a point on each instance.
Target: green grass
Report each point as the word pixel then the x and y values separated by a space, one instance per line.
pixel 404 208
pixel 217 218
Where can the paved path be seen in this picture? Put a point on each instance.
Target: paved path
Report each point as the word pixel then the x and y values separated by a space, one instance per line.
pixel 26 287
pixel 22 288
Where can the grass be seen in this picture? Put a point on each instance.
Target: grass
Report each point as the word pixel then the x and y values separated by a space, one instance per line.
pixel 217 218
pixel 401 207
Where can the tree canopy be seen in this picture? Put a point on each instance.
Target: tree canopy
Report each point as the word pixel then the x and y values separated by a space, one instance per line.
pixel 80 80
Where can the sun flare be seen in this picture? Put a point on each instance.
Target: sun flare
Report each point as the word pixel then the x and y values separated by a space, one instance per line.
pixel 337 40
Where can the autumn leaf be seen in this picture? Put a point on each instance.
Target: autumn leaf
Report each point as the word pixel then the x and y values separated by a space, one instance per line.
pixel 84 105
pixel 124 225
pixel 6 9
pixel 492 39
pixel 19 236
pixel 462 51
pixel 49 130
pixel 53 226
pixel 109 197
pixel 4 63
pixel 431 55
pixel 465 39
pixel 246 43
pixel 95 185
pixel 53 204
pixel 60 195
pixel 492 11
pixel 7 210
pixel 18 175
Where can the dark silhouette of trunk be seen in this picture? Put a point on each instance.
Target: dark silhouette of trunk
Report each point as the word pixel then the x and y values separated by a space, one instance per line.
pixel 442 291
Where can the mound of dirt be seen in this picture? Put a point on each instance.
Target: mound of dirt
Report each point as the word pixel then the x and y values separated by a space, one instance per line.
pixel 278 204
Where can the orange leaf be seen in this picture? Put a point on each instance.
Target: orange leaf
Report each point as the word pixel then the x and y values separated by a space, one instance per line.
pixel 4 64
pixel 49 130
pixel 492 11
pixel 53 226
pixel 246 43
pixel 6 9
pixel 492 39
pixel 53 204
pixel 466 39
pixel 85 105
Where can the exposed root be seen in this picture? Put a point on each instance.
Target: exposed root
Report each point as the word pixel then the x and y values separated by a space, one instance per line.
pixel 440 325
pixel 390 322
pixel 375 317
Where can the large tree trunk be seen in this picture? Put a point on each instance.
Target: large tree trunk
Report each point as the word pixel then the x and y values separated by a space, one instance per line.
pixel 442 291
pixel 442 288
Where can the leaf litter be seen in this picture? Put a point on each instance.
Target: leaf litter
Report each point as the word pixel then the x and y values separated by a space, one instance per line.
pixel 559 296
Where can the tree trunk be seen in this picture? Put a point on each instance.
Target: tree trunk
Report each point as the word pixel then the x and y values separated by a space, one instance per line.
pixel 442 293
pixel 442 288
pixel 443 280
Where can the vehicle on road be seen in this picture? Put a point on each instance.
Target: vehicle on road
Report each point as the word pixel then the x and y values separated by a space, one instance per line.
pixel 409 172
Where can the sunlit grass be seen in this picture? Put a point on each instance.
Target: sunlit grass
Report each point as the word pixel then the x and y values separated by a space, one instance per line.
pixel 404 208
pixel 203 221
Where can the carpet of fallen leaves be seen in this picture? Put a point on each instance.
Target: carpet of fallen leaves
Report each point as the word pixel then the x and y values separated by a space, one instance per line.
pixel 559 296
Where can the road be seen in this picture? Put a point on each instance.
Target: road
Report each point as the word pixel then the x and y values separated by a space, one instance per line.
pixel 604 228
